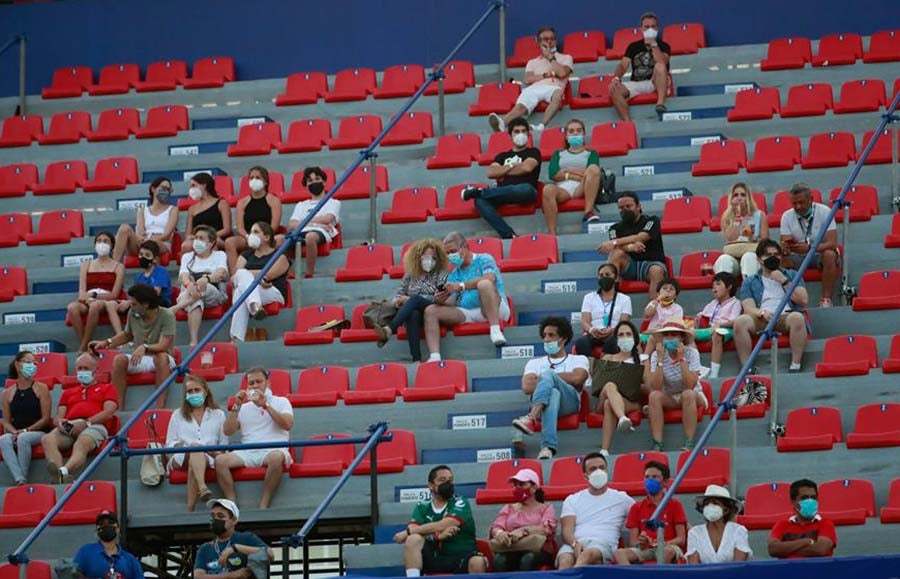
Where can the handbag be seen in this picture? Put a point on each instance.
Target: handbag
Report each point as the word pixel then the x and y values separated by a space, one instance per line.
pixel 379 313
pixel 152 470
pixel 752 392
pixel 527 543
pixel 627 377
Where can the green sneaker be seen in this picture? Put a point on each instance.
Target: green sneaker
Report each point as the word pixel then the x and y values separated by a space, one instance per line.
pixel 656 445
pixel 688 445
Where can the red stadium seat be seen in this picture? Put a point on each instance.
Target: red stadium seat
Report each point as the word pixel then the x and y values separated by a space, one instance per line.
pixel 115 125
pixel 358 332
pixel 397 270
pixel 490 245
pixel 62 177
pixel 891 513
pixel 860 96
pixel 628 470
pixel 497 143
pixel 807 100
pixel 163 75
pixel 685 38
pixel 366 262
pixel 495 98
pixel 829 150
pixel 356 132
pixel 863 199
pixel 69 82
pixel 411 205
pixel 330 460
pixel 256 139
pixel 20 130
pixel 566 478
pixel 86 503
pixel 878 290
pixel 811 428
pixel 460 75
pixel 357 185
pixel 675 415
pixel 113 174
pixel 116 79
pixel 303 88
pixel 305 136
pixel 755 410
pixel 531 253
pixel 552 139
pixel 455 150
pixel 761 204
pixel 279 382
pixel 411 129
pixel 320 386
pixel 723 157
pixel 299 193
pixel 877 425
pixel 14 283
pixel 211 72
pixel 691 271
pixel 782 203
pixel 140 434
pixel 615 138
pixel 67 128
pixel 164 121
pixel 585 46
pixel 848 356
pixel 310 317
pixel 352 84
pixel 57 227
pixel 881 152
pixel 525 49
pixel 765 505
pixel 787 53
pixel 52 367
pixel 224 362
pixel 393 456
pixel 884 46
pixel 24 506
pixel 454 206
pixel 16 226
pixel 402 80
pixel 847 501
pixel 686 214
pixel 16 179
pixel 892 239
pixel 838 49
pixel 711 467
pixel 621 39
pixel 497 488
pixel 754 104
pixel 441 380
pixel 592 92
pixel 775 154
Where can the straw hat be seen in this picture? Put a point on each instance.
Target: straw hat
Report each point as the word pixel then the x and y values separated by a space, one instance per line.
pixel 673 325
pixel 717 492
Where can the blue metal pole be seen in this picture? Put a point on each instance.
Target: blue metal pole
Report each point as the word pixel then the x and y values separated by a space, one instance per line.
pixel 11 42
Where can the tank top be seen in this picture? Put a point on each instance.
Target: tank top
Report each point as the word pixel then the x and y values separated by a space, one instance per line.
pixel 210 216
pixel 101 280
pixel 25 408
pixel 255 211
pixel 255 263
pixel 156 224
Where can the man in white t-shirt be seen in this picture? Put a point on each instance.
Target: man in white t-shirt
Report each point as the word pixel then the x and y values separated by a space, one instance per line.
pixel 554 383
pixel 592 520
pixel 261 417
pixel 799 227
pixel 322 228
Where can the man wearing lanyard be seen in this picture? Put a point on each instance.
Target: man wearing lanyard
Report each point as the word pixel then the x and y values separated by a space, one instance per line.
pixel 554 383
pixel 226 555
pixel 106 559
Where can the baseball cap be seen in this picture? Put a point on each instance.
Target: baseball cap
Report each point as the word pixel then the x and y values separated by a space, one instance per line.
pixel 526 475
pixel 106 516
pixel 225 504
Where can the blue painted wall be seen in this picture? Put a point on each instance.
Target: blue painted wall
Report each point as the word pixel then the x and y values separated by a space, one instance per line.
pixel 272 38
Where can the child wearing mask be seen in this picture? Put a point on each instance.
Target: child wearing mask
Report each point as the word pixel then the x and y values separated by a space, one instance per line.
pixel 661 310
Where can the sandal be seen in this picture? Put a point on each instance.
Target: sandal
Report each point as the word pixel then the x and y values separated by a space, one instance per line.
pixel 384 334
pixel 205 494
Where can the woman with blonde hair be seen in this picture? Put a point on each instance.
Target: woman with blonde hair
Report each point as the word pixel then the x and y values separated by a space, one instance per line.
pixel 426 265
pixel 743 225
pixel 198 422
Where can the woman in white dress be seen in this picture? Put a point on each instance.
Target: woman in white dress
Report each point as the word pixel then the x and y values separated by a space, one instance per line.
pixel 720 540
pixel 155 221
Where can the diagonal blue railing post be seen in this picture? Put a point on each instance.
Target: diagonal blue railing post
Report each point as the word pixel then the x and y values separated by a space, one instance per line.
pixel 655 520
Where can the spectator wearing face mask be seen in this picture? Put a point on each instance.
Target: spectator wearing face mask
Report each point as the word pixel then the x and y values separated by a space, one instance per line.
pixel 661 310
pixel 720 539
pixel 620 376
pixel 99 281
pixel 426 266
pixel 523 536
pixel 230 550
pixel 26 415
pixel 806 533
pixel 154 274
pixel 271 289
pixel 155 221
pixel 259 206
pixel 207 209
pixel 517 172
pixel 574 173
pixel 643 539
pixel 553 383
pixel 202 274
pixel 107 558
pixel 602 310
pixel 323 226
pixel 649 63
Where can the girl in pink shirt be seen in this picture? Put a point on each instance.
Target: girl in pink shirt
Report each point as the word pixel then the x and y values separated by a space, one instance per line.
pixel 661 310
pixel 522 521
pixel 721 313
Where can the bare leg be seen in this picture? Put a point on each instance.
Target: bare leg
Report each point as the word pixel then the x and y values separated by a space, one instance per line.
pixel 744 329
pixel 797 328
pixel 274 462
pixel 619 96
pixel 718 346
pixel 412 551
pixel 161 363
pixel 553 107
pixel 93 318
pixel 112 312
pixel 224 463
pixel 83 446
pixel 829 273
pixel 517 111
pixel 551 197
pixel 656 402
pixel 312 251
pixel 689 413
pixel 195 316
pixel 490 301
pixel 126 242
pixel 661 82
pixel 619 258
pixel 76 310
pixel 50 442
pixel 435 315
pixel 591 187
pixel 120 377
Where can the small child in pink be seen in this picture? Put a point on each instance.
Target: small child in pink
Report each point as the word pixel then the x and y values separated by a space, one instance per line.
pixel 661 310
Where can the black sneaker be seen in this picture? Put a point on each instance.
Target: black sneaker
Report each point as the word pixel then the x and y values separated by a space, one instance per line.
pixel 590 217
pixel 660 109
pixel 470 193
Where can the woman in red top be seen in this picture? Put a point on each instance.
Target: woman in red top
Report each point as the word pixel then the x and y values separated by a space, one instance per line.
pixel 99 282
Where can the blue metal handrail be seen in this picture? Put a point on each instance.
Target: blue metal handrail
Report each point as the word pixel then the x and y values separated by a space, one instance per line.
pixel 768 334
pixel 19 555
pixel 16 38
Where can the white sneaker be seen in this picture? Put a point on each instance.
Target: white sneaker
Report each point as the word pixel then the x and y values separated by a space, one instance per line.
pixel 605 454
pixel 496 122
pixel 497 336
pixel 538 128
pixel 625 425
pixel 546 453
pixel 434 357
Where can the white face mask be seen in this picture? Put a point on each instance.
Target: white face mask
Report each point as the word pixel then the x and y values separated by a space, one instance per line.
pixel 257 185
pixel 626 344
pixel 102 248
pixel 520 139
pixel 713 513
pixel 254 241
pixel 199 246
pixel 598 479
pixel 650 34
pixel 428 264
pixel 195 193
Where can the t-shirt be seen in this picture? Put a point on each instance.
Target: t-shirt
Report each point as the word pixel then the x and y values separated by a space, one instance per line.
pixel 208 554
pixel 540 65
pixel 331 207
pixel 94 562
pixel 482 263
pixel 672 379
pixel 773 292
pixel 600 310
pixel 569 363
pixel 458 508
pixel 800 228
pixel 190 263
pixel 672 516
pixel 727 311
pixel 648 224
pixel 258 426
pixel 565 159
pixel 598 517
pixel 516 157
pixel 791 529
pixel 142 333
pixel 642 61
pixel 663 314
pixel 252 262
pixel 87 401
pixel 158 278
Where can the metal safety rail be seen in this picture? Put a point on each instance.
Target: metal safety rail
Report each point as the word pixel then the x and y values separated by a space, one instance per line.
pixel 21 40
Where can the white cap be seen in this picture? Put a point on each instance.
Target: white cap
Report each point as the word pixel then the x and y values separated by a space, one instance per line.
pixel 226 504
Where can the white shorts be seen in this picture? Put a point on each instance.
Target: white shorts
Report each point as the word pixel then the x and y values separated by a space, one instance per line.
pixel 531 96
pixel 639 87
pixel 147 364
pixel 700 396
pixel 569 186
pixel 476 315
pixel 255 457
pixel 606 550
pixel 177 461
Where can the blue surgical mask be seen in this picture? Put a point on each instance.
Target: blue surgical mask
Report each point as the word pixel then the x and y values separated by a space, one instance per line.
pixel 455 259
pixel 575 141
pixel 652 486
pixel 163 195
pixel 85 377
pixel 195 400
pixel 670 344
pixel 809 508
pixel 552 348
pixel 29 369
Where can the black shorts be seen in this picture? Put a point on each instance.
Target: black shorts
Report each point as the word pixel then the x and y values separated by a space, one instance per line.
pixel 435 561
pixel 316 233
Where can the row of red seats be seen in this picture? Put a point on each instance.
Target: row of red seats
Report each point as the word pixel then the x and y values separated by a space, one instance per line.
pixel 72 81
pixel 810 99
pixel 819 427
pixel 112 125
pixel 855 355
pixel 834 50
pixel 36 569
pixel 62 177
pixel 26 505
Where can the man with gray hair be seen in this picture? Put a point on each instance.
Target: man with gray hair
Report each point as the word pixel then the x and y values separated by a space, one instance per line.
pixel 473 293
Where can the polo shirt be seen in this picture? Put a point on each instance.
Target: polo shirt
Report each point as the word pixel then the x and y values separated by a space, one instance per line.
pixel 791 529
pixel 94 562
pixel 673 515
pixel 87 401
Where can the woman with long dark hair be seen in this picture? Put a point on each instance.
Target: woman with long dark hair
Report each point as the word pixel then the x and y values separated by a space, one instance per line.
pixel 154 222
pixel 26 415
pixel 523 536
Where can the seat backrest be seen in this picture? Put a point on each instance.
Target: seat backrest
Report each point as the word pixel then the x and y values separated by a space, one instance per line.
pixel 465 143
pixel 877 417
pixel 894 493
pixel 814 420
pixel 381 376
pixel 411 75
pixel 342 453
pixel 23 126
pixel 498 91
pixel 491 245
pixel 29 498
pixel 453 199
pixel 73 76
pixel 129 118
pixel 779 146
pixel 847 45
pixel 500 143
pixel 413 122
pixel 811 93
pixel 14 278
pixel 36 570
pixel 792 47
pixel 724 149
pixel 685 38
pixel 535 245
pixel 69 173
pixel 845 494
pixel 309 130
pixel 225 355
pixel 72 123
pixel 593 86
pixel 354 78
pixel 51 366
pixel 166 70
pixel 402 446
pixel 499 472
pixel 726 386
pixel 460 71
pixel 217 67
pixel 260 133
pixel 316 315
pixel 567 471
pixel 629 467
pixel 360 126
pixel 879 283
pixel 168 116
pixel 307 82
pixel 757 97
pixel 863 198
pixel 526 47
pixel 21 175
pixel 850 348
pixel 588 41
pixel 442 373
pixel 615 132
pixel 768 499
pixel 93 495
pixel 688 207
pixel 710 463
pixel 623 37
pixel 372 255
pixel 414 198
pixel 279 382
pixel 140 433
pixel 114 74
pixel 552 139
pixel 18 223
pixel 68 220
pixel 866 89
pixel 692 263
pixel 323 379
pixel 124 168
pixel 360 178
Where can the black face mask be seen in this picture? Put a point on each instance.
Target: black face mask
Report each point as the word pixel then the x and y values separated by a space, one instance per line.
pixel 217 526
pixel 144 262
pixel 445 490
pixel 107 533
pixel 772 262
pixel 605 283
pixel 315 188
pixel 628 216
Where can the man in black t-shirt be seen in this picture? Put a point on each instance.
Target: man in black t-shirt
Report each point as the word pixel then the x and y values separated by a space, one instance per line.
pixel 649 62
pixel 635 244
pixel 516 173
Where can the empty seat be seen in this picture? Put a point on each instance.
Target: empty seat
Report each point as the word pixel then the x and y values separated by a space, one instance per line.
pixel 412 128
pixel 320 386
pixel 530 253
pixel 26 505
pixel 455 150
pixel 878 290
pixel 757 103
pixel 62 177
pixel 497 488
pixel 806 100
pixel 876 425
pixel 113 174
pixel 848 356
pixel 811 428
pixel 458 76
pixel 754 410
pixel 847 501
pixel 524 49
pixel 621 39
pixel 838 49
pixel 57 227
pixel 305 136
pixel 20 130
pixel 66 128
pixel 155 420
pixel 616 138
pixel 14 282
pixel 859 96
pixel 686 214
pixel 310 317
pixel 628 470
pixel 585 46
pixel 163 121
pixel 18 178
pixel 358 184
pixel 787 53
pixel 69 82
pixel 455 207
pixel 863 202
pixel 884 46
pixel 162 75
pixel 116 79
pixel 766 504
pixel 592 92
pixel 695 271
pixel 566 477
pixel 256 139
pixel 86 503
pixel 882 152
pixel 392 456
pixel 411 205
pixel 495 98
pixel 775 154
pixel 115 125
pixel 711 467
pixel 723 157
pixel 224 361
pixel 16 226
pixel 356 132
pixel 211 72
pixel 325 460
pixel 303 88
pixel 366 262
pixel 829 150
pixel 440 380
pixel 402 80
pixel 34 570
pixel 685 38
pixel 891 513
pixel 352 84
pixel 892 239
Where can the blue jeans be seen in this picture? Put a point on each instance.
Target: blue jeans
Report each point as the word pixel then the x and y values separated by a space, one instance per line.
pixel 410 313
pixel 18 462
pixel 559 399
pixel 490 199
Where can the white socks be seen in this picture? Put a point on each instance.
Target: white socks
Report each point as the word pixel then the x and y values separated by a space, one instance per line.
pixel 433 357
pixel 413 573
pixel 714 369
